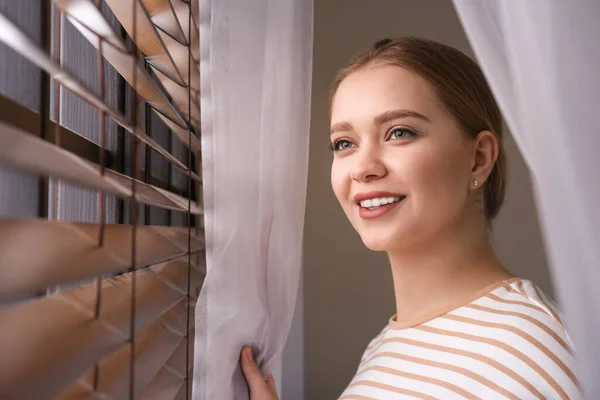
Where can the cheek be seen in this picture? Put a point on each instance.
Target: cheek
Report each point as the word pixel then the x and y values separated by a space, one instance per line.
pixel 339 181
pixel 438 180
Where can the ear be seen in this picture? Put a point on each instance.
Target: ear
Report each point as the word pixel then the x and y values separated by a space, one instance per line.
pixel 486 152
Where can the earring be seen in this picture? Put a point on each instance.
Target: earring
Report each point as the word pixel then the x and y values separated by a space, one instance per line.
pixel 475 182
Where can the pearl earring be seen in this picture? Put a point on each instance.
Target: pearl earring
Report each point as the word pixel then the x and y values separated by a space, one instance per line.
pixel 475 182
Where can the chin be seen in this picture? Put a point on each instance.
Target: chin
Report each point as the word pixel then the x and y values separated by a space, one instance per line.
pixel 375 243
pixel 388 239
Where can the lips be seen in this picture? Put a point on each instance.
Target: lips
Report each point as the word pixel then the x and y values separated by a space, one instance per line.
pixel 376 204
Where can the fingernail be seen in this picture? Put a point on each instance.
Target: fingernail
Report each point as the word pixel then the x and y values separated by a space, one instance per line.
pixel 248 354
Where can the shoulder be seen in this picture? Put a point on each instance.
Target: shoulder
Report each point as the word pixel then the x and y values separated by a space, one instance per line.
pixel 528 293
pixel 374 344
pixel 518 325
pixel 520 304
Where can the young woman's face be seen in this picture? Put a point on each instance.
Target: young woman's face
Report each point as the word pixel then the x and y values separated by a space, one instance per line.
pixel 402 167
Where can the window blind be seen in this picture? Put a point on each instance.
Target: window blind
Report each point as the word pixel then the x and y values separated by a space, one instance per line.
pixel 97 310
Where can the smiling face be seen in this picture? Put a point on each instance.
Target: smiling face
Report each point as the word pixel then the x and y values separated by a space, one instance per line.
pixel 402 167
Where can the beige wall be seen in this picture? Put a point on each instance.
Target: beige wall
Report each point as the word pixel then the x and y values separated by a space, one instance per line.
pixel 348 294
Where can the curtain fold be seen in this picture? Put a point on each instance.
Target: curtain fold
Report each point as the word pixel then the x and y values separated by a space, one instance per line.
pixel 542 59
pixel 256 61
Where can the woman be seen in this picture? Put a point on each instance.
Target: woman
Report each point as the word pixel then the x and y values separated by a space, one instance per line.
pixel 418 169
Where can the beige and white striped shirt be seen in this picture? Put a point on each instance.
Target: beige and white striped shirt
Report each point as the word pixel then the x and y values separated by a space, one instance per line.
pixel 508 343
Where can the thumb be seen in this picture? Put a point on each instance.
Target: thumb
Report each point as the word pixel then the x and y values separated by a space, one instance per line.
pixel 271 384
pixel 254 377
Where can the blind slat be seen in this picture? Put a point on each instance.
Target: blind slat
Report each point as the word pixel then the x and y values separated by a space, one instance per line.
pixel 67 338
pixel 170 379
pixel 181 202
pixel 155 196
pixel 182 134
pixel 163 52
pixel 176 321
pixel 93 20
pixel 68 252
pixel 166 271
pixel 19 42
pixel 79 11
pixel 149 41
pixel 184 393
pixel 164 386
pixel 177 362
pixel 180 54
pixel 157 45
pixel 180 96
pixel 182 12
pixel 153 346
pixel 35 337
pixel 162 15
pixel 33 154
pixel 79 391
pixel 196 13
pixel 160 360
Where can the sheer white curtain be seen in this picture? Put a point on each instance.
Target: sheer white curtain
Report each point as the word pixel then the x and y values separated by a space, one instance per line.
pixel 542 59
pixel 256 62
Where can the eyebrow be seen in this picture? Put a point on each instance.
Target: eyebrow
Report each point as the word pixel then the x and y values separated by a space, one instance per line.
pixel 380 119
pixel 397 114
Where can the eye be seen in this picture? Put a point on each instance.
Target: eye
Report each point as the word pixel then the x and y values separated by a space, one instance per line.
pixel 400 133
pixel 341 145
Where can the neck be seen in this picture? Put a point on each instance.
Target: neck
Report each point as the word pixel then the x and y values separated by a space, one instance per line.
pixel 445 273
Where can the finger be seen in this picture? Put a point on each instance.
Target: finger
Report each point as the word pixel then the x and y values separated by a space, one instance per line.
pixel 254 377
pixel 271 384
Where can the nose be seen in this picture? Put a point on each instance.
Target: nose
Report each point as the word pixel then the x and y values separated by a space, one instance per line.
pixel 368 167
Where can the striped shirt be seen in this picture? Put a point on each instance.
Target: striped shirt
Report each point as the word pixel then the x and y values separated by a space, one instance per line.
pixel 508 343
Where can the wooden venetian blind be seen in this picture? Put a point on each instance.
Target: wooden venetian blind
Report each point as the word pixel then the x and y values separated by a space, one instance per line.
pixel 103 310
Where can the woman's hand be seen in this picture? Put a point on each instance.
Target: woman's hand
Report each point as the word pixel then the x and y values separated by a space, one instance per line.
pixel 260 389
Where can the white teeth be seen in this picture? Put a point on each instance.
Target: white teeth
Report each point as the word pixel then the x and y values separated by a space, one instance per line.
pixel 377 202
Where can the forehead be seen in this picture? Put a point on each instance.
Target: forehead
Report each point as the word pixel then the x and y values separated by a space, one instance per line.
pixel 370 91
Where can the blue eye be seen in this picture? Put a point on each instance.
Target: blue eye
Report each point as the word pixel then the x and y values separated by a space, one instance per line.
pixel 400 133
pixel 341 145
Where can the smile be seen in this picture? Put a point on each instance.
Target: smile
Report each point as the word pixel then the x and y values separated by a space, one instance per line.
pixel 376 204
pixel 373 204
